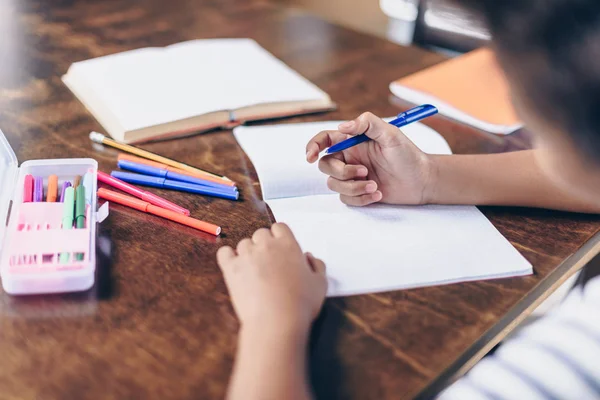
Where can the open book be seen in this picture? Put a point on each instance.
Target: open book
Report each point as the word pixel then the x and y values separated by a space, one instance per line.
pixel 153 93
pixel 471 89
pixel 379 247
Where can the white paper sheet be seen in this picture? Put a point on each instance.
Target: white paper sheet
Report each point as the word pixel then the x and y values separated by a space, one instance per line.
pixel 380 247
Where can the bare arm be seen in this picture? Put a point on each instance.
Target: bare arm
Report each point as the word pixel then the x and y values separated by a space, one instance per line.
pixel 270 364
pixel 277 291
pixel 391 169
pixel 512 179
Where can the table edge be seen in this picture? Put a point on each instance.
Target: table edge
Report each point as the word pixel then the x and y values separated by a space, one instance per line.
pixel 514 317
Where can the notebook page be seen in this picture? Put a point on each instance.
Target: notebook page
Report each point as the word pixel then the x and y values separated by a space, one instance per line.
pixel 278 155
pixel 147 87
pixel 382 247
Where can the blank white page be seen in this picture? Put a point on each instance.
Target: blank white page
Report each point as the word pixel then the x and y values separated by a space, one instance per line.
pixel 278 153
pixel 382 247
pixel 151 86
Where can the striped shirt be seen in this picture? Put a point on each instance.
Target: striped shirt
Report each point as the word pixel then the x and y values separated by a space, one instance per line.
pixel 557 357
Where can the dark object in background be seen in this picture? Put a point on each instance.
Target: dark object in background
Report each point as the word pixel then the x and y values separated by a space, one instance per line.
pixel 443 24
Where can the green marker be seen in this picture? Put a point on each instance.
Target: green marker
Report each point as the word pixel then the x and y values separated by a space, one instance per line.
pixel 67 219
pixel 80 212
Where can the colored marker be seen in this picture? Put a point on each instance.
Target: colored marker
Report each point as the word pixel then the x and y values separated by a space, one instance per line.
pixel 67 219
pixel 142 194
pixel 80 205
pixel 149 170
pixel 100 138
pixel 140 160
pixel 86 181
pixel 403 119
pixel 161 212
pixel 52 189
pixel 155 181
pixel 38 189
pixel 76 182
pixel 28 189
pixel 65 185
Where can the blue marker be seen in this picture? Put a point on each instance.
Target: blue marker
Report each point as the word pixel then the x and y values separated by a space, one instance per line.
pixel 149 170
pixel 160 182
pixel 403 119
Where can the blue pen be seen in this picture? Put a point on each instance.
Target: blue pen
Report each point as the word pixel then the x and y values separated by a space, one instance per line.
pixel 160 182
pixel 403 119
pixel 149 170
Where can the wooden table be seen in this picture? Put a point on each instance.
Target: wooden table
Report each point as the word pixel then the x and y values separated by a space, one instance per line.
pixel 159 324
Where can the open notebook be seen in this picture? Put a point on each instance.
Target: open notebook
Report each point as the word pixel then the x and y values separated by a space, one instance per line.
pixel 380 247
pixel 471 89
pixel 189 87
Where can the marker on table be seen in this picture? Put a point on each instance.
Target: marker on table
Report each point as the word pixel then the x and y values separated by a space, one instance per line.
pixel 65 185
pixel 403 119
pixel 100 138
pixel 140 160
pixel 155 181
pixel 153 171
pixel 80 206
pixel 52 189
pixel 142 194
pixel 38 189
pixel 161 212
pixel 67 219
pixel 28 189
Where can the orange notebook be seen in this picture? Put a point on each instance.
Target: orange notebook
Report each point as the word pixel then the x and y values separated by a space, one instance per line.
pixel 471 89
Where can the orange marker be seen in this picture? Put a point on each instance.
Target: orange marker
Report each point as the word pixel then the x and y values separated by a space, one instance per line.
pixel 161 212
pixel 207 177
pixel 76 181
pixel 52 189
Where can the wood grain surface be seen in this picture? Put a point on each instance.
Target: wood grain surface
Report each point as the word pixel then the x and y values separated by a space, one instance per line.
pixel 159 324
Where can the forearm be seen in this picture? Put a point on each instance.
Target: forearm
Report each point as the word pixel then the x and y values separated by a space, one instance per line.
pixel 270 365
pixel 511 179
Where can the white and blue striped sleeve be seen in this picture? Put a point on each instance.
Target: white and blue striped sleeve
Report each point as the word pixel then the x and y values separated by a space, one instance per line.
pixel 555 358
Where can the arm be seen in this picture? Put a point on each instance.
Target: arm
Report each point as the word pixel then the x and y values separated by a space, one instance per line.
pixel 391 169
pixel 270 364
pixel 512 179
pixel 276 291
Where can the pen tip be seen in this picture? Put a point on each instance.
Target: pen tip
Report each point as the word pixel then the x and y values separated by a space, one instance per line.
pixel 96 137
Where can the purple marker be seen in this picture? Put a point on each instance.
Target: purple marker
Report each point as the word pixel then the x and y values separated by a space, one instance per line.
pixel 65 185
pixel 38 189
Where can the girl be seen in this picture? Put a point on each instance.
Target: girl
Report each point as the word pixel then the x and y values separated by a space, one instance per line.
pixel 550 51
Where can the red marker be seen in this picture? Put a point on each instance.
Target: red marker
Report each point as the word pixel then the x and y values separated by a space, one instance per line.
pixel 28 189
pixel 161 212
pixel 142 194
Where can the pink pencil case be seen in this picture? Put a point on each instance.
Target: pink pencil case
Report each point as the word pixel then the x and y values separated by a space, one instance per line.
pixel 33 238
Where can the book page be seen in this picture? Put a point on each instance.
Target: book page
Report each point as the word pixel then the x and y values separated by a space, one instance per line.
pixel 379 247
pixel 279 156
pixel 152 86
pixel 382 247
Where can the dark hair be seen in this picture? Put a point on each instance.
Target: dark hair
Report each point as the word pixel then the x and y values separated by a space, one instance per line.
pixel 551 50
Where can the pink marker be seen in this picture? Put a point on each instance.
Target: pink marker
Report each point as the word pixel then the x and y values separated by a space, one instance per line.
pixel 28 189
pixel 142 194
